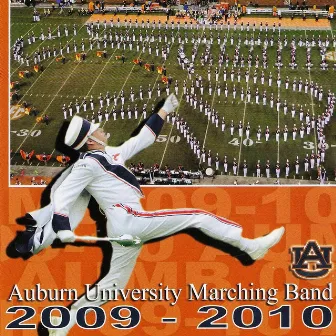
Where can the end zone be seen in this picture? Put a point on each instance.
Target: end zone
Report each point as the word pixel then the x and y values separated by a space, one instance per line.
pixel 286 23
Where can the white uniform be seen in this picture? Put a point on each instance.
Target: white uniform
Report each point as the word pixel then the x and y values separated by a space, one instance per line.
pixel 104 176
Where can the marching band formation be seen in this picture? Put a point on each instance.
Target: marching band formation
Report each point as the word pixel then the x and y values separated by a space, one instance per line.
pixel 244 77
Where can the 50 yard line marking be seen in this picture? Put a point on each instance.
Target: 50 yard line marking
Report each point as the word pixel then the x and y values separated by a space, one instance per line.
pixel 172 126
pixel 171 130
pixel 157 77
pixel 312 104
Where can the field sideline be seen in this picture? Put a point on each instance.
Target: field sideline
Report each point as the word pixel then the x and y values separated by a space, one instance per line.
pixel 60 84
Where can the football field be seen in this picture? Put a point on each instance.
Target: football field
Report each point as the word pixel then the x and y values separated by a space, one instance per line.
pixel 77 80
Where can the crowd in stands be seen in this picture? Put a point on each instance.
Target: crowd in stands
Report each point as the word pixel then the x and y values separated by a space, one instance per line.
pixel 22 179
pixel 153 175
pixel 164 176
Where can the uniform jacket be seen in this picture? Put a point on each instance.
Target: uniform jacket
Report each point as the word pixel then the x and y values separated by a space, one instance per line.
pixel 101 174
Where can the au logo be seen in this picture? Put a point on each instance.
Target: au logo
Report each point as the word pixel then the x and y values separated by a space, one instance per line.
pixel 331 56
pixel 311 261
pixel 17 112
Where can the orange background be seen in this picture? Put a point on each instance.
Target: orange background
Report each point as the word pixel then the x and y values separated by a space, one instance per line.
pixel 306 212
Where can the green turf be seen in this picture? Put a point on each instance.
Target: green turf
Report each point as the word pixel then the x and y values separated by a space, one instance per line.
pixel 63 83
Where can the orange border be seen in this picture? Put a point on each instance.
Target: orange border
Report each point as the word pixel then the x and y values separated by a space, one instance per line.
pixel 307 212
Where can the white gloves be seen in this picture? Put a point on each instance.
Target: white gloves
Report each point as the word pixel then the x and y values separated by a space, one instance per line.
pixel 66 236
pixel 170 104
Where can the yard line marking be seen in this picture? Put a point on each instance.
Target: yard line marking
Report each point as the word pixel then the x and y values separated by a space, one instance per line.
pixel 25 33
pixel 38 47
pixel 279 91
pixel 172 126
pixel 212 103
pixel 94 83
pixel 245 105
pixel 157 77
pixel 171 130
pixel 312 106
pixel 115 49
pixel 32 85
pixel 98 75
pixel 48 104
pixel 128 74
pixel 206 130
pixel 24 140
pixel 241 139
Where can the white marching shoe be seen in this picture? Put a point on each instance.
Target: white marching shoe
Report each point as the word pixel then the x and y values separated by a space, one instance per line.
pixel 263 244
pixel 55 320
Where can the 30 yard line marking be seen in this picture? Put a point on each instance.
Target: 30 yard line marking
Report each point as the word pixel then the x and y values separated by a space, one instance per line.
pixel 312 105
pixel 24 140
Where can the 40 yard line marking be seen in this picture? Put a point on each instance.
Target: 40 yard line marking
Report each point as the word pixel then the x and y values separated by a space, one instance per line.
pixel 312 104
pixel 206 130
pixel 279 91
pixel 212 103
pixel 245 102
pixel 241 139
